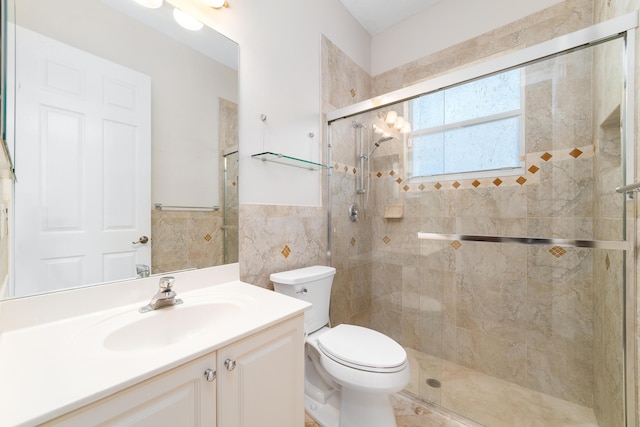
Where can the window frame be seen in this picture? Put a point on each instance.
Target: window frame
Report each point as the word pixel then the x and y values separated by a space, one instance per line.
pixel 477 173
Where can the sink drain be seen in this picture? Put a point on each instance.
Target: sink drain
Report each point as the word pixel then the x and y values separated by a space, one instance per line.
pixel 432 382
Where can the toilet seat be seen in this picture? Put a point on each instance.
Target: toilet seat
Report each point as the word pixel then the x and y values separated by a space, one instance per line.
pixel 362 348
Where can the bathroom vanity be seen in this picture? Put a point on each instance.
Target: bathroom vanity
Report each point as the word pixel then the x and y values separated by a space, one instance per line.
pixel 230 355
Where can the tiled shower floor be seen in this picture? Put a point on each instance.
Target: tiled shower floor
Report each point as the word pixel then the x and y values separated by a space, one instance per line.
pixel 491 401
pixel 486 400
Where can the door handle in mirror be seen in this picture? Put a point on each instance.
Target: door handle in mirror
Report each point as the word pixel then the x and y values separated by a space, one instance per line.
pixel 142 240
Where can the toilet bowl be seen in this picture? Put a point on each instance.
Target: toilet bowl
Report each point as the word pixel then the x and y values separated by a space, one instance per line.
pixel 350 371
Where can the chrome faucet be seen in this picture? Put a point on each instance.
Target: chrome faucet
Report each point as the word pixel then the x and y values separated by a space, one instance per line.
pixel 165 296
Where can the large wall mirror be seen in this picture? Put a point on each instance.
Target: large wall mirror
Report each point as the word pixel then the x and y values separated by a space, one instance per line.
pixel 122 126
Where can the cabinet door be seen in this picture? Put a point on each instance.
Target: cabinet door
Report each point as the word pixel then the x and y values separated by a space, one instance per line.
pixel 261 379
pixel 181 397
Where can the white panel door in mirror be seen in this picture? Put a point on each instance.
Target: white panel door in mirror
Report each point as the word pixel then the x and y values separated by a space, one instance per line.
pixel 82 198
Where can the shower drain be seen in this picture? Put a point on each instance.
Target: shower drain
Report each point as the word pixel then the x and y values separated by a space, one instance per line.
pixel 432 382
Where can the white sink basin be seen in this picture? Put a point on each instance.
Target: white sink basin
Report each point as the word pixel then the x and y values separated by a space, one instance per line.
pixel 169 325
pixel 133 331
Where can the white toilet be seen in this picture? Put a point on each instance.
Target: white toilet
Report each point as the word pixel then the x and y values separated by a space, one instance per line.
pixel 350 371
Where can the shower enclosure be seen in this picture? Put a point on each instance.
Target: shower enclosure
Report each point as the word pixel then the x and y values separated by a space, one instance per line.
pixel 493 245
pixel 231 204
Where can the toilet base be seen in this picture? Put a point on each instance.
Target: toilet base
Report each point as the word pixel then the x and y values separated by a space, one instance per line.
pixel 366 409
pixel 326 415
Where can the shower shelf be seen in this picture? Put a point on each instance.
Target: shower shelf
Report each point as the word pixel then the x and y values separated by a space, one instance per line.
pixel 269 156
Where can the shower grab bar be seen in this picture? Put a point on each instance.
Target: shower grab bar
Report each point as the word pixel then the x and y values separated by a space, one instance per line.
pixel 568 243
pixel 161 207
pixel 631 187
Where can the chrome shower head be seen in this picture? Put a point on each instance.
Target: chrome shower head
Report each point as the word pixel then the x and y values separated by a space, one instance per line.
pixel 378 142
pixel 383 139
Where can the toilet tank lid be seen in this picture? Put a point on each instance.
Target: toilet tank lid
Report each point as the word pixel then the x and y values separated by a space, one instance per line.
pixel 302 275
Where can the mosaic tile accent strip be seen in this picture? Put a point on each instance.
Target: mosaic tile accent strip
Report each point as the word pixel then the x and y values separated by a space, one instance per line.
pixel 607 262
pixel 353 241
pixel 575 153
pixel 386 240
pixel 286 251
pixel 531 177
pixel 546 156
pixel 557 251
pixel 456 245
pixel 208 237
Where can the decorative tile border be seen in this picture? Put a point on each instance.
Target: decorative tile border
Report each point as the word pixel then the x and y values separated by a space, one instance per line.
pixel 530 177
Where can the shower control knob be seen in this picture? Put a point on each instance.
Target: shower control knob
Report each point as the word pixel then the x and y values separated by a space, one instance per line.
pixel 230 364
pixel 210 375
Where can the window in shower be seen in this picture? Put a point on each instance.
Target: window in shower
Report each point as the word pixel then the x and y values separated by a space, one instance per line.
pixel 475 126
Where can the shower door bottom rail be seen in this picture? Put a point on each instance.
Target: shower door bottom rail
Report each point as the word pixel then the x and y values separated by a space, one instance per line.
pixel 621 245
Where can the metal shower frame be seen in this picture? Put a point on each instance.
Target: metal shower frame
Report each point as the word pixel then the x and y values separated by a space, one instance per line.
pixel 623 26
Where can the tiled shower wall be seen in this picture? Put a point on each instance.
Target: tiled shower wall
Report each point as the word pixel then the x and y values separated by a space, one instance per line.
pixel 523 314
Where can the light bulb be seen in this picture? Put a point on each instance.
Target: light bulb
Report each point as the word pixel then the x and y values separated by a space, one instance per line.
pixel 406 128
pixel 399 122
pixel 391 118
pixel 217 4
pixel 376 129
pixel 152 4
pixel 187 21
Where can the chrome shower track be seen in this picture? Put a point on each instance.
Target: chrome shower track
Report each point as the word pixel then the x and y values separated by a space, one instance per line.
pixel 621 245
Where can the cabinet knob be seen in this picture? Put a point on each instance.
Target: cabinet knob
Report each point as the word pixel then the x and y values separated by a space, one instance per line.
pixel 210 375
pixel 230 364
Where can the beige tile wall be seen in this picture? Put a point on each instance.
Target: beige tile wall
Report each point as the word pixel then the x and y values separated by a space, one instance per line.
pixel 185 239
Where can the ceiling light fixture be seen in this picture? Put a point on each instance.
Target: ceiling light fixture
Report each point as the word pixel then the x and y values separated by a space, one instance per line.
pixel 187 21
pixel 152 4
pixel 216 4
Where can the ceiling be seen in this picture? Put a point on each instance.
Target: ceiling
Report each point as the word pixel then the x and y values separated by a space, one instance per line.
pixel 378 15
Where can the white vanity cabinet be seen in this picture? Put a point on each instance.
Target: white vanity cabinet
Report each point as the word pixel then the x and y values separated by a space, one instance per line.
pixel 184 396
pixel 256 381
pixel 261 378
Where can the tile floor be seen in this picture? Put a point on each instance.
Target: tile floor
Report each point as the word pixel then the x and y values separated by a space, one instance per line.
pixel 491 401
pixel 413 413
pixel 487 400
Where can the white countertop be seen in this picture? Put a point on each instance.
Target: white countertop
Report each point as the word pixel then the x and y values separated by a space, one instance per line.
pixel 48 369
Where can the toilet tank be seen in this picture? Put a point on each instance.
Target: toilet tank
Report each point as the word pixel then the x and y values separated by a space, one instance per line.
pixel 311 284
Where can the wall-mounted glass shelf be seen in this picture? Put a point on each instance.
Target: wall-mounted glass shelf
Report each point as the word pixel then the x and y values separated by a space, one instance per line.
pixel 288 160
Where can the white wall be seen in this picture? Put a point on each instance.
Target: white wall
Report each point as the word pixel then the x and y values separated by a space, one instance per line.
pixel 280 77
pixel 443 25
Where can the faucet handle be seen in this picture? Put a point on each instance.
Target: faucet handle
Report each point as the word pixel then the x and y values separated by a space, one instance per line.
pixel 166 283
